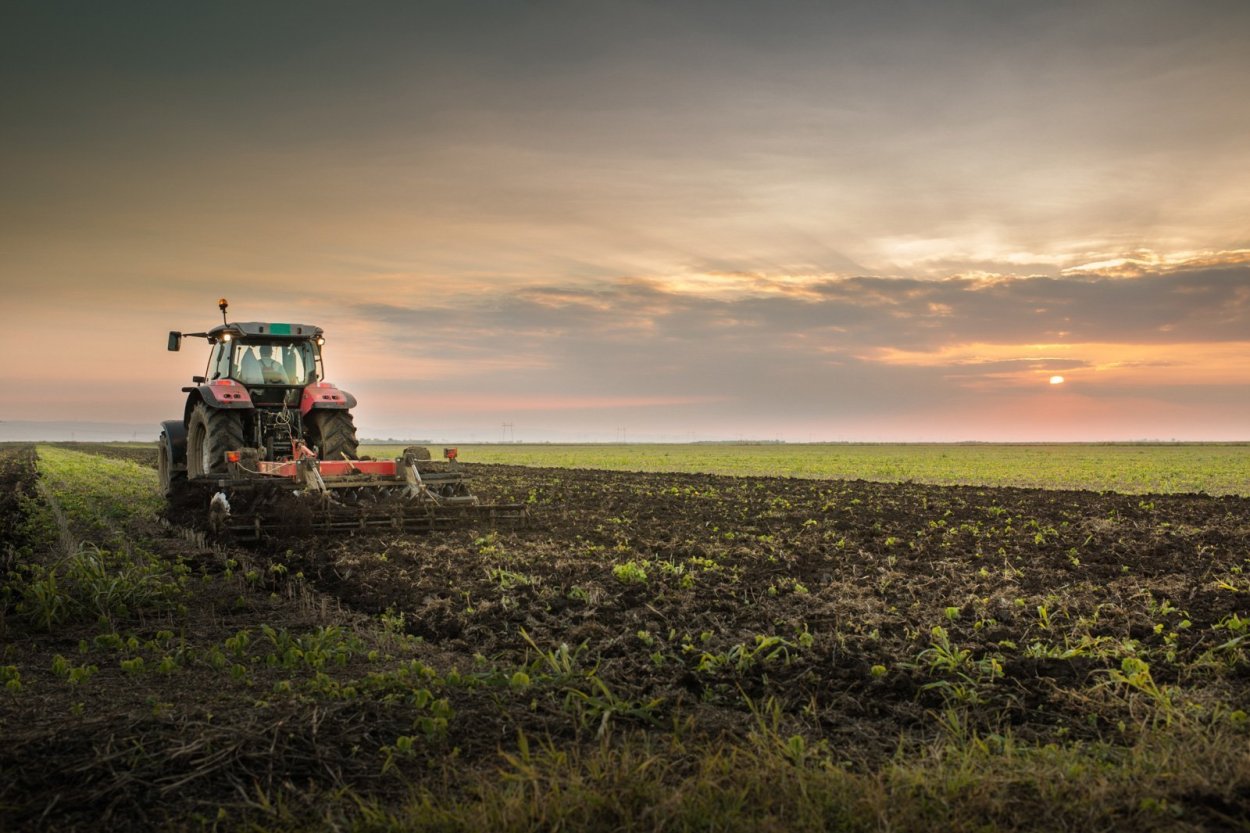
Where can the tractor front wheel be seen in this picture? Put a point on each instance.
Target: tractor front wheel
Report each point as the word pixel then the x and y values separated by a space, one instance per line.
pixel 210 434
pixel 333 433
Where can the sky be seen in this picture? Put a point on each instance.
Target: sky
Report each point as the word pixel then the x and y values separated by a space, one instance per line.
pixel 663 221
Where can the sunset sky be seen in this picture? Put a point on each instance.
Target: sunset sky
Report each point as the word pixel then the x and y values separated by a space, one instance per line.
pixel 665 221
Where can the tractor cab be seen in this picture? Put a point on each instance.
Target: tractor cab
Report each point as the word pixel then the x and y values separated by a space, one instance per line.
pixel 275 362
pixel 254 353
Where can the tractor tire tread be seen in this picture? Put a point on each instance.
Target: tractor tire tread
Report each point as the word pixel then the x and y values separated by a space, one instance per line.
pixel 223 432
pixel 172 481
pixel 334 434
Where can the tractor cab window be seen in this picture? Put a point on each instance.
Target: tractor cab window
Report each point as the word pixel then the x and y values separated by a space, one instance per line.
pixel 219 361
pixel 278 363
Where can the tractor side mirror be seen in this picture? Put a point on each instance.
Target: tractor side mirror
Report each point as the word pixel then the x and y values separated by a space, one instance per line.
pixel 175 341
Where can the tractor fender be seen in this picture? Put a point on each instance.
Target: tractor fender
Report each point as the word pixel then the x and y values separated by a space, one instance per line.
pixel 174 435
pixel 220 394
pixel 323 395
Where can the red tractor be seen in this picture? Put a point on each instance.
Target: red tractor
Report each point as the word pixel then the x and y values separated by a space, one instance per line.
pixel 262 425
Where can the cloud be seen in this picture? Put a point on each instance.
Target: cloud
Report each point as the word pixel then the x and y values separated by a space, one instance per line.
pixel 825 348
pixel 858 314
pixel 1144 262
pixel 597 140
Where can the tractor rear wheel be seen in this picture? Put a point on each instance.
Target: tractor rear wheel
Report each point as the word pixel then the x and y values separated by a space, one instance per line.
pixel 210 434
pixel 172 482
pixel 333 433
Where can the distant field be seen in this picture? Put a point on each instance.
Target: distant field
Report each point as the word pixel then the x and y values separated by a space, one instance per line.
pixel 1131 468
pixel 1216 469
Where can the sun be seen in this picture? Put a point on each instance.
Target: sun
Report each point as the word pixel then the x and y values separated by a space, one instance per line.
pixel 1056 380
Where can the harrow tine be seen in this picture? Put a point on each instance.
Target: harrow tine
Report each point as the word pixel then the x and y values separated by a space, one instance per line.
pixel 265 522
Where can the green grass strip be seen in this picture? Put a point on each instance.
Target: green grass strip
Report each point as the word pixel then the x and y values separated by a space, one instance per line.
pixel 1127 468
pixel 91 568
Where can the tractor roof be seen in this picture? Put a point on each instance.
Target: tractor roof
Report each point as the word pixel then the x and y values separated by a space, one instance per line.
pixel 247 329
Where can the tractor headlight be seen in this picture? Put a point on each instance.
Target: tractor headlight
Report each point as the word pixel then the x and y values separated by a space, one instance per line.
pixel 226 337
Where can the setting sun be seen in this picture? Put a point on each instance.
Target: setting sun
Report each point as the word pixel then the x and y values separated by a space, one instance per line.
pixel 1056 380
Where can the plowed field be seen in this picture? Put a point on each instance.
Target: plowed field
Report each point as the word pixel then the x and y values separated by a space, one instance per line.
pixel 697 593
pixel 921 656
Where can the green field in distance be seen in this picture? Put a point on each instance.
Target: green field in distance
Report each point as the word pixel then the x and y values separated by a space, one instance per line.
pixel 1132 468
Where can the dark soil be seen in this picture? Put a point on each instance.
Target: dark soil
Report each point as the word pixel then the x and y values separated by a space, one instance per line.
pixel 168 750
pixel 851 575
pixel 704 602
pixel 17 482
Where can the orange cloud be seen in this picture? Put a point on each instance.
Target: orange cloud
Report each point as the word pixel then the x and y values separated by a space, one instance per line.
pixel 1146 261
pixel 1092 363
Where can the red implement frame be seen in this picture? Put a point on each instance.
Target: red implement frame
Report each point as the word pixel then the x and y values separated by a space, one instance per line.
pixel 330 468
pixel 326 468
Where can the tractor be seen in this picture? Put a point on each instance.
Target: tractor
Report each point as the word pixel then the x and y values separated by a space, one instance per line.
pixel 266 445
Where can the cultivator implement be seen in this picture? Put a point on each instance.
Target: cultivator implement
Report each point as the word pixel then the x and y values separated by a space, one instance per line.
pixel 257 499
